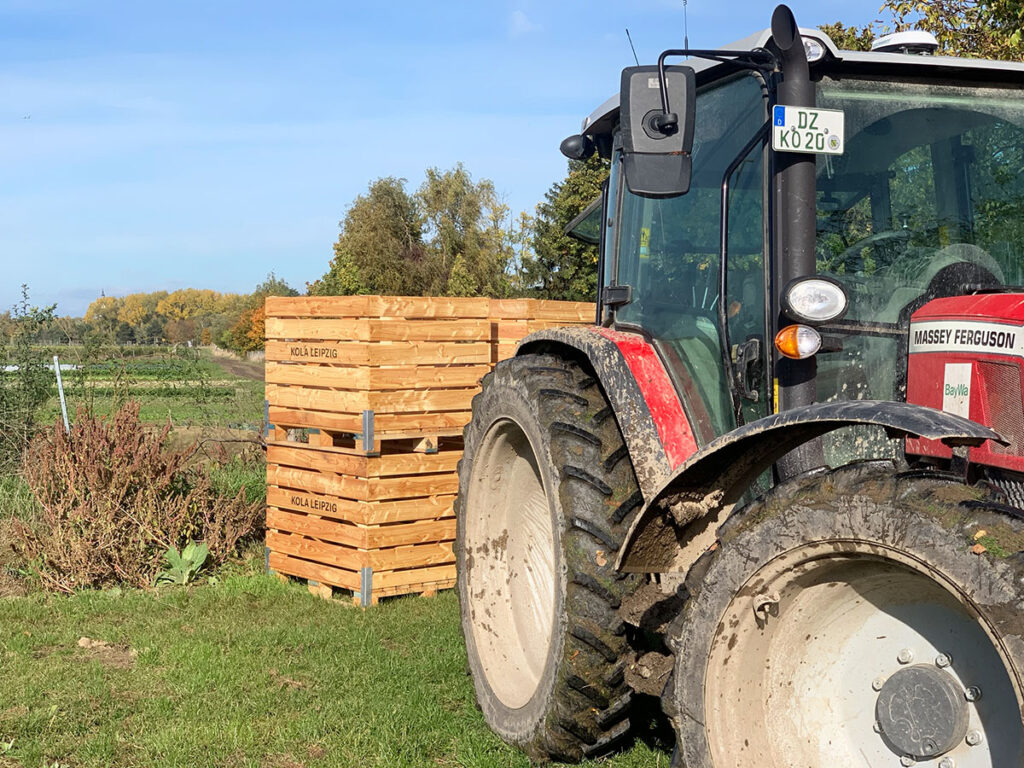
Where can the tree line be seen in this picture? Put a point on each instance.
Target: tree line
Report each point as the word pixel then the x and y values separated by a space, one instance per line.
pixel 189 315
pixel 453 236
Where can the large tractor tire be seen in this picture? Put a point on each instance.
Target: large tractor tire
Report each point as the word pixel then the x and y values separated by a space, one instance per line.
pixel 855 617
pixel 546 493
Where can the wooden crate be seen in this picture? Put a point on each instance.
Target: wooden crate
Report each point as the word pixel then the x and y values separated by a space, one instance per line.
pixel 367 397
pixel 372 525
pixel 395 367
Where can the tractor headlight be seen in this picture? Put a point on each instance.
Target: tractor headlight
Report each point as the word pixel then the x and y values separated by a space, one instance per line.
pixel 814 300
pixel 814 49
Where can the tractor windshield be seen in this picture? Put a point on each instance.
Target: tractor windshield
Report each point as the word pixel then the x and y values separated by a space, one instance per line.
pixel 928 198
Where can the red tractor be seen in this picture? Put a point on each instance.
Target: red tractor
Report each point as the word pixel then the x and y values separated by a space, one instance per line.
pixel 779 482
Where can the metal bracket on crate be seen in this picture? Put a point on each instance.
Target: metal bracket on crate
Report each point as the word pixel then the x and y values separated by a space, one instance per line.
pixel 365 586
pixel 266 558
pixel 367 436
pixel 266 419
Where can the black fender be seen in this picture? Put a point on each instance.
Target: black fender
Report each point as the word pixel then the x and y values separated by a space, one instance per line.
pixel 645 403
pixel 719 474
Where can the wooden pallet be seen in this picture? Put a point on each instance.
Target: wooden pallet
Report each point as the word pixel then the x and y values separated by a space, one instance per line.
pixel 367 397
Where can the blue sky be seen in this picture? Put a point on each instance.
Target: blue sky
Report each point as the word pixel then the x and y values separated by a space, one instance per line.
pixel 155 145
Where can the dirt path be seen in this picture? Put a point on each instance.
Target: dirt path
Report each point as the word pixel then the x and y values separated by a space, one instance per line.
pixel 241 368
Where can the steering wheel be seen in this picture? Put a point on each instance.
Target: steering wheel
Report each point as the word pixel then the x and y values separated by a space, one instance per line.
pixel 872 240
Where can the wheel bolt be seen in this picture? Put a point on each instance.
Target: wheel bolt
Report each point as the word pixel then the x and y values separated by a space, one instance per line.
pixel 973 693
pixel 974 738
pixel 943 660
pixel 877 683
pixel 905 656
pixel 947 762
pixel 906 761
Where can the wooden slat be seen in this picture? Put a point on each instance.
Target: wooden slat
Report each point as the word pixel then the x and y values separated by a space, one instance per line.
pixel 292 566
pixel 424 532
pixel 422 558
pixel 363 489
pixel 385 425
pixel 581 311
pixel 391 579
pixel 360 512
pixel 314 527
pixel 381 379
pixel 426 589
pixel 510 309
pixel 377 329
pixel 376 306
pixel 390 353
pixel 386 465
pixel 399 401
pixel 361 537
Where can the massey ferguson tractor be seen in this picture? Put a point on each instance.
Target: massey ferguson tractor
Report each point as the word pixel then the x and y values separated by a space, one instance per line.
pixel 779 482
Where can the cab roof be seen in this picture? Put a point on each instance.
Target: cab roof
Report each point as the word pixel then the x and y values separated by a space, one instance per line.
pixel 603 119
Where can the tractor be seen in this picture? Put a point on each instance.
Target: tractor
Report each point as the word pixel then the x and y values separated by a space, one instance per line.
pixel 779 482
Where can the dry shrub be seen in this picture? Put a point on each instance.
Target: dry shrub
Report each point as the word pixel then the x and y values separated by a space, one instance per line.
pixel 113 499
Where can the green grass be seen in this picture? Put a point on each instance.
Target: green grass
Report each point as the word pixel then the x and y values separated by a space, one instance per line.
pixel 16 500
pixel 250 672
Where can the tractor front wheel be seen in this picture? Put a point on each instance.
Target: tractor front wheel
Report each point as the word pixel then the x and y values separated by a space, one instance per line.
pixel 546 492
pixel 856 617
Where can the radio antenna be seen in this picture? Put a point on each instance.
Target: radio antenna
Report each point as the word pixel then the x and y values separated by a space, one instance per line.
pixel 686 31
pixel 631 47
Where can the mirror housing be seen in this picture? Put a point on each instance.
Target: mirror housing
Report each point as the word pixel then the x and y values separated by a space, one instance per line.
pixel 655 148
pixel 577 147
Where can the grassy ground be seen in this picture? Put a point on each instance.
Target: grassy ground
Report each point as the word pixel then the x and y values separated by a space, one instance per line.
pixel 249 672
pixel 244 672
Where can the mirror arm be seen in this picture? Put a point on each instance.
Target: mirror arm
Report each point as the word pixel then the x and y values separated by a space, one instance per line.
pixel 759 58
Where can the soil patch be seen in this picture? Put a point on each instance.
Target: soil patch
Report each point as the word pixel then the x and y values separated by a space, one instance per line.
pixel 243 369
pixel 111 656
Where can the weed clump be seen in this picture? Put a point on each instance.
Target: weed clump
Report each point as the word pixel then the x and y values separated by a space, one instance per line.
pixel 113 500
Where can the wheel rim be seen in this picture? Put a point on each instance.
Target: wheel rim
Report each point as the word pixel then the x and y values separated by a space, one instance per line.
pixel 511 562
pixel 831 654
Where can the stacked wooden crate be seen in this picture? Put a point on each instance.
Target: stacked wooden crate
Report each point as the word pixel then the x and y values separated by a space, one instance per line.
pixel 367 397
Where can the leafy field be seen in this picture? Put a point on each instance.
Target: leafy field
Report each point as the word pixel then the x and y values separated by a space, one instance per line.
pixel 248 672
pixel 187 386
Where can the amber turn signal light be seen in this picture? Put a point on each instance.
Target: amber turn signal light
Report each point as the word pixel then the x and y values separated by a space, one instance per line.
pixel 798 341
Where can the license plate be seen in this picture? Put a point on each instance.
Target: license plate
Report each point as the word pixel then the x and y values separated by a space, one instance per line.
pixel 802 129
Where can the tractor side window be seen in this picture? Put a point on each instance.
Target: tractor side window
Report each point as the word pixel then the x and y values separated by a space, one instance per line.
pixel 668 253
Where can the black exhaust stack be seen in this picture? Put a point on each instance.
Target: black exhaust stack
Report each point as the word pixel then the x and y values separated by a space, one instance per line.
pixel 795 207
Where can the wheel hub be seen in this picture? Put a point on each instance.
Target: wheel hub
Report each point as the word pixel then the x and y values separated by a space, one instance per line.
pixel 922 712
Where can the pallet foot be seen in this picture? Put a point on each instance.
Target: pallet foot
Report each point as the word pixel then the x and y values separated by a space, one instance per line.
pixel 323 591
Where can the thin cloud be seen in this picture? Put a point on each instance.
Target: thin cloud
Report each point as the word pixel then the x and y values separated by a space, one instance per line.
pixel 520 24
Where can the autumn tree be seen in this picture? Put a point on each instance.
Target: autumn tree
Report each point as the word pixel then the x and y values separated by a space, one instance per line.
pixel 989 29
pixel 380 248
pixel 466 219
pixel 249 331
pixel 559 266
pixel 102 314
pixel 850 38
pixel 396 243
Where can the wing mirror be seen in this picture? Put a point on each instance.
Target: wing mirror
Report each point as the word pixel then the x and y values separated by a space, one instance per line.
pixel 657 129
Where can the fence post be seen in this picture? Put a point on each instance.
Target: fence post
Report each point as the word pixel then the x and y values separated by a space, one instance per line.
pixel 60 391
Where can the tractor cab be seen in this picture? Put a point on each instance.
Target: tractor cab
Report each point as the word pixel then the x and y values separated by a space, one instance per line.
pixel 924 198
